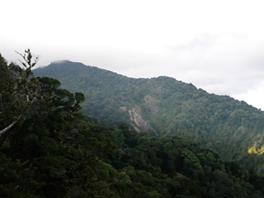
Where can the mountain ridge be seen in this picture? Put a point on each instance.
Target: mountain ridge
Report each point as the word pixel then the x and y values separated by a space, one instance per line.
pixel 68 62
pixel 164 105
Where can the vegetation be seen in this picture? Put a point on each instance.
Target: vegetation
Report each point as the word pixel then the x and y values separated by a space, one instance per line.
pixel 53 151
pixel 256 151
pixel 166 107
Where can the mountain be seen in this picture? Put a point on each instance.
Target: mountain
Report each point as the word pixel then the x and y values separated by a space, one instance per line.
pixel 165 107
pixel 48 149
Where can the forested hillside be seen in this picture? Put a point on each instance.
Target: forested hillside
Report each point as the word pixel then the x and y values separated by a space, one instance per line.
pixel 165 107
pixel 49 149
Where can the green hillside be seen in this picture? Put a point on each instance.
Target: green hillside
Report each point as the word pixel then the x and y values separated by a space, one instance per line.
pixel 48 149
pixel 165 107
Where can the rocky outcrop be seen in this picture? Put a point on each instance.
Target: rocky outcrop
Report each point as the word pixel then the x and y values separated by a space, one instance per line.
pixel 137 121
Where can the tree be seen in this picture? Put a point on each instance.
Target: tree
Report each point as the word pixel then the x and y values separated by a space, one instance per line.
pixel 24 87
pixel 26 90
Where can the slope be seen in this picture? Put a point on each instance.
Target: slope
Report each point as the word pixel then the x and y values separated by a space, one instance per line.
pixel 53 151
pixel 164 106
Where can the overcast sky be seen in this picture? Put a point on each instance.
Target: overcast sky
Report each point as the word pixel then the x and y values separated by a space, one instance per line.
pixel 217 45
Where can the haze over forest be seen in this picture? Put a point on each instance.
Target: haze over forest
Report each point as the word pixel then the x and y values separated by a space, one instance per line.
pixel 218 46
pixel 145 99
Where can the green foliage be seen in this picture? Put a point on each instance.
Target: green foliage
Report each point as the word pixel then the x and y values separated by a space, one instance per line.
pixel 169 107
pixel 56 152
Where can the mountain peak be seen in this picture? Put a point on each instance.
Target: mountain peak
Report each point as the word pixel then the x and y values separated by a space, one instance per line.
pixel 162 105
pixel 61 62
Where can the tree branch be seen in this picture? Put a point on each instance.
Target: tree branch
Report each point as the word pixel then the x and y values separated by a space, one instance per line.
pixel 9 126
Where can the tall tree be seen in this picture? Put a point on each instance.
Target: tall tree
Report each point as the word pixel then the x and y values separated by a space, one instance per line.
pixel 21 92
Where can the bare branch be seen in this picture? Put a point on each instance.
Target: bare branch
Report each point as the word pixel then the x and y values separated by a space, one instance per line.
pixel 27 59
pixel 9 126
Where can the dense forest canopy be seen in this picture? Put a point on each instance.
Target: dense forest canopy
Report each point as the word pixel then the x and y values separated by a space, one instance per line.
pixel 49 149
pixel 166 107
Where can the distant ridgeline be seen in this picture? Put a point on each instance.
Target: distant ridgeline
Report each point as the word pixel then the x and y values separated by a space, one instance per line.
pixel 49 149
pixel 165 107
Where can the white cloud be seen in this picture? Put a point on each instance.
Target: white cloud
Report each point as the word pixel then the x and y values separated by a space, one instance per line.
pixel 254 96
pixel 216 45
